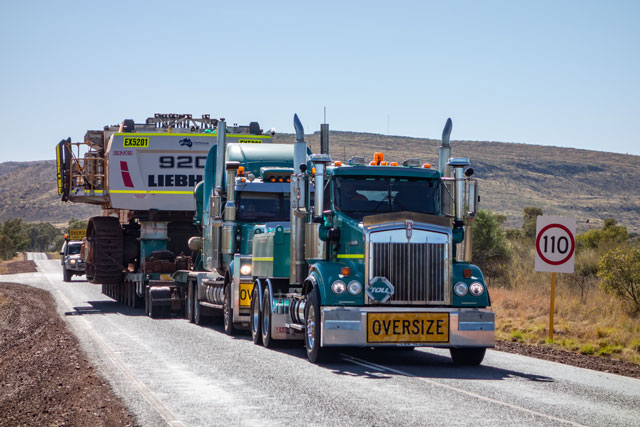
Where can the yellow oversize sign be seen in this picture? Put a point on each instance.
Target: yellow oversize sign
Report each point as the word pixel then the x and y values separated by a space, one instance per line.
pixel 407 327
pixel 77 233
pixel 245 294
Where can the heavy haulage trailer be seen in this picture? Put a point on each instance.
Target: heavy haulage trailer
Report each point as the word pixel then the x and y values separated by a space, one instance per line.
pixel 143 176
pixel 300 247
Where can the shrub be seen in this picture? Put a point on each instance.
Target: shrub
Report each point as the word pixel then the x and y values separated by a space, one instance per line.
pixel 619 269
pixel 490 251
pixel 587 349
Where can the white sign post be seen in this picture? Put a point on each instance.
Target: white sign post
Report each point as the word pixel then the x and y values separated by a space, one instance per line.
pixel 555 251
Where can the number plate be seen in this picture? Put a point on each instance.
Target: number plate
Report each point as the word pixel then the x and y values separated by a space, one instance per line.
pixel 407 327
pixel 245 294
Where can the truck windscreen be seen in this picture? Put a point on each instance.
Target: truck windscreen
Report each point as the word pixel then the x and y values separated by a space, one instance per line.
pixel 74 249
pixel 362 196
pixel 257 206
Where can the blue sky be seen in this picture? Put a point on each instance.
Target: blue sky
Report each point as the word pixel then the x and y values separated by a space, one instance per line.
pixel 563 73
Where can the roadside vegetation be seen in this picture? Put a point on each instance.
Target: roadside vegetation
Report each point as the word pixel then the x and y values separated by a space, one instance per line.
pixel 597 308
pixel 17 235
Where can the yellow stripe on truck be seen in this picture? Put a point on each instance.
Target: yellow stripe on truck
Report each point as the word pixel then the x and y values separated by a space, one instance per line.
pixel 255 258
pixel 351 256
pixel 149 192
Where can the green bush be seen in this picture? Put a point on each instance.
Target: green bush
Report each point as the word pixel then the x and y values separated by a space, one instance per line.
pixel 7 251
pixel 490 251
pixel 619 269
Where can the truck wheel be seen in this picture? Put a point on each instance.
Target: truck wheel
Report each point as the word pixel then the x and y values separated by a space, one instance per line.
pixel 146 300
pixel 153 311
pixel 315 353
pixel 198 317
pixel 229 329
pixel 256 319
pixel 467 356
pixel 66 276
pixel 190 297
pixel 267 341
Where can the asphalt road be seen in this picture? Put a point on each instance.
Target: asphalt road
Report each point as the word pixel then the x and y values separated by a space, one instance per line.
pixel 171 372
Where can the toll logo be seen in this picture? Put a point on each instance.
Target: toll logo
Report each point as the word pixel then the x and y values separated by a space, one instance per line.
pixel 187 142
pixel 379 289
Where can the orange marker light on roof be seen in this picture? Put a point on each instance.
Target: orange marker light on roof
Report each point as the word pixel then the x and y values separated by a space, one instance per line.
pixel 241 171
pixel 313 171
pixel 280 179
pixel 338 163
pixel 426 165
pixel 394 163
pixel 378 157
pixel 372 163
pixel 384 163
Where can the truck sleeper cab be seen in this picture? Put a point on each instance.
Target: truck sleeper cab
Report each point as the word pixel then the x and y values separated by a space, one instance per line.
pixel 383 266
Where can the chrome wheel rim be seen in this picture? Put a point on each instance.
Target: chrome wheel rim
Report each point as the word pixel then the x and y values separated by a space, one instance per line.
pixel 255 315
pixel 311 326
pixel 266 317
pixel 227 309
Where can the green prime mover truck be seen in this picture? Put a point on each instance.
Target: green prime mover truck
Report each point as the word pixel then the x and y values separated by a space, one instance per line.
pixel 339 255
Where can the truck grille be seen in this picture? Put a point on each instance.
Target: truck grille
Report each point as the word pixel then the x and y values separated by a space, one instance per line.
pixel 418 271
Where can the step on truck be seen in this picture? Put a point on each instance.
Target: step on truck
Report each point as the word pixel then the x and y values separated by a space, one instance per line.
pixel 142 175
pixel 372 255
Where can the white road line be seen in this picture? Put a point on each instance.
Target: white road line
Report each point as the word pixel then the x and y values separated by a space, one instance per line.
pixel 144 391
pixel 366 363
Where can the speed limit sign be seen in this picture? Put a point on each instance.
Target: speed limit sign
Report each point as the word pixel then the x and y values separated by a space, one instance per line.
pixel 555 244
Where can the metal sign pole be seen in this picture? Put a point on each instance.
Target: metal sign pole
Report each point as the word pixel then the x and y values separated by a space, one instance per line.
pixel 553 303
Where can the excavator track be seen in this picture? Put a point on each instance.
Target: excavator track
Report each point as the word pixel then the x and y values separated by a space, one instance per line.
pixel 104 234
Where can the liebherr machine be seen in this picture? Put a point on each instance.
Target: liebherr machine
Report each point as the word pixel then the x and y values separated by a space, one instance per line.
pixel 143 176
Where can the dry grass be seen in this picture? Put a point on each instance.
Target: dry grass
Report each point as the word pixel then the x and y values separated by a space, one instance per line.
pixel 594 323
pixel 4 269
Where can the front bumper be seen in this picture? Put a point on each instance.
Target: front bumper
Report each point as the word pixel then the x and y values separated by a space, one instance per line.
pixel 347 326
pixel 78 267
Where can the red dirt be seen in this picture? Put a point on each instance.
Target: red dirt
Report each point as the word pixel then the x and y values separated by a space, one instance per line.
pixel 612 366
pixel 45 379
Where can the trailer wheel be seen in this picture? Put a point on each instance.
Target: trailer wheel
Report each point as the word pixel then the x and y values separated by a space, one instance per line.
pixel 256 318
pixel 315 353
pixel 467 356
pixel 229 329
pixel 190 298
pixel 267 341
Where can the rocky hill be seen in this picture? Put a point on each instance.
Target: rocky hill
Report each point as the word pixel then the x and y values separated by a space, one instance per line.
pixel 28 190
pixel 589 185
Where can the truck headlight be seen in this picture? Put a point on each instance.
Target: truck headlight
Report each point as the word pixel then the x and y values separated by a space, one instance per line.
pixel 245 270
pixel 73 261
pixel 338 287
pixel 476 289
pixel 354 287
pixel 460 289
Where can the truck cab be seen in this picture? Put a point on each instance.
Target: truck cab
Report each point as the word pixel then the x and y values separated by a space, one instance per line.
pixel 379 258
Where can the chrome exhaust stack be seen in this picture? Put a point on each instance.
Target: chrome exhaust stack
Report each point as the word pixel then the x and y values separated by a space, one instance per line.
pixel 298 216
pixel 220 150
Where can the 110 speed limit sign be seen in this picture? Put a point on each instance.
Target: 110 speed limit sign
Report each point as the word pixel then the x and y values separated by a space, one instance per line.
pixel 555 244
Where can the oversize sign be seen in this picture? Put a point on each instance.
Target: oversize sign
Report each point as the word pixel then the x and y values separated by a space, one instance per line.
pixel 555 244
